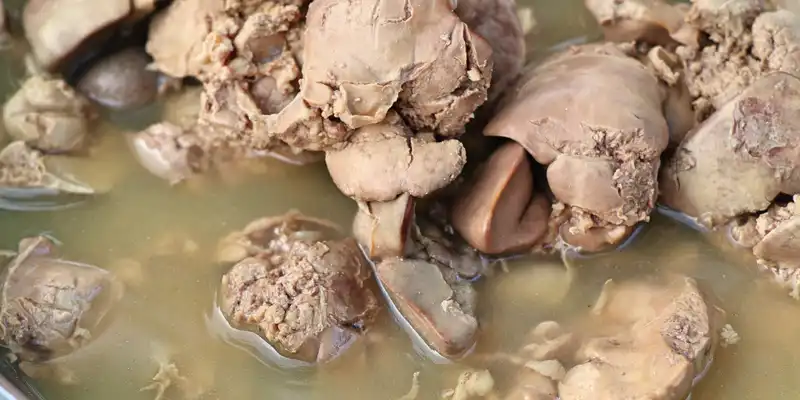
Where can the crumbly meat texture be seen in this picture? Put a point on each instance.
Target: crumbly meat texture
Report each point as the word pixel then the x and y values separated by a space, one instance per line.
pixel 49 306
pixel 601 145
pixel 48 115
pixel 741 158
pixel 299 288
pixel 244 53
pixel 745 41
pixel 384 160
pixel 772 236
pixel 652 21
pixel 427 66
pixel 497 22
pixel 672 326
pixel 21 166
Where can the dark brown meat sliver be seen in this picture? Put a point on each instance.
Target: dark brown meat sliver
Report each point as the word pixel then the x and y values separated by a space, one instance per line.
pixel 121 81
pixel 500 213
pixel 425 299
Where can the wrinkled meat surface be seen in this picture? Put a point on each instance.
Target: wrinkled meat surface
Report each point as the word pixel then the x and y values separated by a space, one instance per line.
pixel 672 327
pixel 303 289
pixel 739 159
pixel 601 145
pixel 50 307
pixel 497 22
pixel 385 160
pixel 746 42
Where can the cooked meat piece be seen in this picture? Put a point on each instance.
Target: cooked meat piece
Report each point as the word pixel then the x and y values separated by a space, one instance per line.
pixel 601 145
pixel 741 158
pixel 425 64
pixel 121 80
pixel 499 212
pixel 382 161
pixel 531 385
pixel 27 183
pixel 678 110
pixel 497 22
pixel 176 36
pixel 773 236
pixel 171 152
pixel 745 42
pixel 60 31
pixel 425 299
pixel 51 307
pixel 48 115
pixel 652 21
pixel 245 57
pixel 430 287
pixel 383 228
pixel 672 328
pixel 305 290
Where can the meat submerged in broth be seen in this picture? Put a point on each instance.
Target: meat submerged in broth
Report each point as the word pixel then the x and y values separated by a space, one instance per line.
pixel 382 90
pixel 52 307
pixel 49 115
pixel 27 182
pixel 304 289
pixel 602 157
pixel 428 284
pixel 668 324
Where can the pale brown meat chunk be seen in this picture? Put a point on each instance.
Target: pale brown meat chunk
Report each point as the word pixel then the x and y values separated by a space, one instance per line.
pixel 741 158
pixel 594 117
pixel 62 30
pixel 246 58
pixel 176 36
pixel 51 307
pixel 171 152
pixel 304 289
pixel 48 115
pixel 672 327
pixel 414 56
pixel 745 42
pixel 497 22
pixel 773 236
pixel 384 160
pixel 653 21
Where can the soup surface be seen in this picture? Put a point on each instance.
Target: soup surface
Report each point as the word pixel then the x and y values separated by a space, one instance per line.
pixel 161 241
